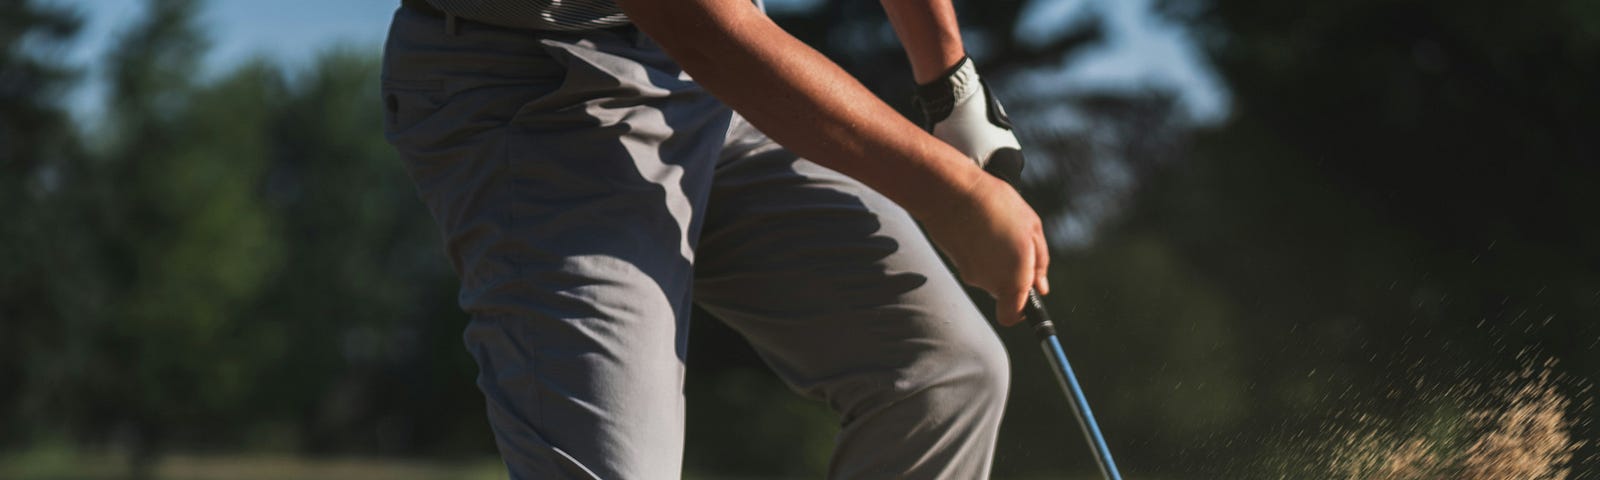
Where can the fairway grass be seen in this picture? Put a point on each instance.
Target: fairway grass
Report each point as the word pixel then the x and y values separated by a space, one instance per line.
pixel 46 466
pixel 57 464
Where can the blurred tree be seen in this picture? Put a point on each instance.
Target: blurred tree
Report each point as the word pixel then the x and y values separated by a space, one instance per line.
pixel 34 129
pixel 280 275
pixel 238 263
pixel 1402 193
pixel 42 277
pixel 365 276
pixel 186 243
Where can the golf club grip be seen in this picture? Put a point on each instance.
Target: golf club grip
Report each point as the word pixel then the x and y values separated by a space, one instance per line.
pixel 1034 311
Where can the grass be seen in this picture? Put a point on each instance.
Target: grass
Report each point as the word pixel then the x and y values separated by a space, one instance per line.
pixel 63 465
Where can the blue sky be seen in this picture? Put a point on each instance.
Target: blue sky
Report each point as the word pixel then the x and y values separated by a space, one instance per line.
pixel 1141 49
pixel 288 31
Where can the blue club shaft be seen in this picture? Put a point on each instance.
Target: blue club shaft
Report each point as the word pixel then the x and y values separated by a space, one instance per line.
pixel 1045 330
pixel 1007 165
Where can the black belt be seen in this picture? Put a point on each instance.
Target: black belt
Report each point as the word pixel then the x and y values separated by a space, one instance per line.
pixel 423 7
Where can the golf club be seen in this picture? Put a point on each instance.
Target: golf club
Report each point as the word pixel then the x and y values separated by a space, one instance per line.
pixel 1046 331
pixel 1007 165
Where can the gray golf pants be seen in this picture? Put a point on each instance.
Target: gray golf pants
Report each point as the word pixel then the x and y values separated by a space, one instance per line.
pixel 589 191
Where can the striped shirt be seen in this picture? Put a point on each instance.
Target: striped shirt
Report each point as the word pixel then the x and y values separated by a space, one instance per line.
pixel 563 15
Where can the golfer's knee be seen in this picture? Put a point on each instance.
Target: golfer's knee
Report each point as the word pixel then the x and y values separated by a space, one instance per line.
pixel 977 373
pixel 991 372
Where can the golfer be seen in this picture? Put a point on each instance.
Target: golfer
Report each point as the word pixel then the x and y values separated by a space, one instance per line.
pixel 596 166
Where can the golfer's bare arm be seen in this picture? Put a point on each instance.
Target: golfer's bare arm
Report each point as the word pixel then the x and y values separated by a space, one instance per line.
pixel 811 106
pixel 803 100
pixel 930 34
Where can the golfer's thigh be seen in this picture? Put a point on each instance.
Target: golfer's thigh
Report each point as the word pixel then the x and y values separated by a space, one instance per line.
pixel 578 288
pixel 571 242
pixel 840 292
pixel 577 276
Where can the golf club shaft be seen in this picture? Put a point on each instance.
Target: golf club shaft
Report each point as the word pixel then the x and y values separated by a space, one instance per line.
pixel 1046 331
pixel 1007 165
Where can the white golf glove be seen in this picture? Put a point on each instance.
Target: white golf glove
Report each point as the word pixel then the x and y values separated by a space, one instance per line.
pixel 960 110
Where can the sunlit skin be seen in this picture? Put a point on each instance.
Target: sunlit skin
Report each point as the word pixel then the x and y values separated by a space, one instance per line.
pixel 811 106
pixel 930 34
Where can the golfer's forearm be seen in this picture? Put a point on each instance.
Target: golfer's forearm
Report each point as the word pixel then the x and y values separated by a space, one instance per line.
pixel 930 34
pixel 804 101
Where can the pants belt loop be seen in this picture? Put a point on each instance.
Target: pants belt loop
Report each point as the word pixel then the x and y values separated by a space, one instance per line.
pixel 450 24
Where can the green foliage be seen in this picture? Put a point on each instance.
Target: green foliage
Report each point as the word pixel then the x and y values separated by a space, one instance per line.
pixel 32 131
pixel 1399 195
pixel 44 281
pixel 237 254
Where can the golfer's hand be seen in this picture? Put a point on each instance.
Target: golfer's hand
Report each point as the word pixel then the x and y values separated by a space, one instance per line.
pixel 958 108
pixel 996 242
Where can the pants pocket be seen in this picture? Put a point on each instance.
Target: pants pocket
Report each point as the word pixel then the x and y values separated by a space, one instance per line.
pixel 407 103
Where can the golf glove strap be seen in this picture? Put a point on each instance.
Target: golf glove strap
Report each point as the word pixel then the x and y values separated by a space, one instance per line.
pixel 960 110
